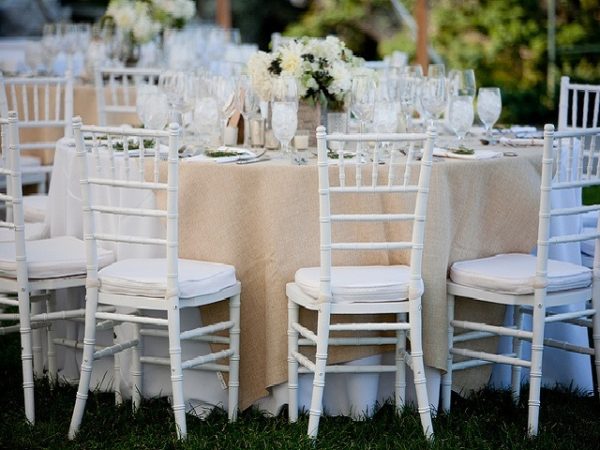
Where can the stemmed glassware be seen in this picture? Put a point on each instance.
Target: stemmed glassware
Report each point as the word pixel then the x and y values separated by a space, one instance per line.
pixel 362 104
pixel 434 93
pixel 462 82
pixel 152 107
pixel 246 102
pixel 284 119
pixel 409 84
pixel 489 107
pixel 460 115
pixel 225 90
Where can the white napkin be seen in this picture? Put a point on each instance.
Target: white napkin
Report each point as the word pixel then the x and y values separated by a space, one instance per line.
pixel 478 154
pixel 523 129
pixel 521 142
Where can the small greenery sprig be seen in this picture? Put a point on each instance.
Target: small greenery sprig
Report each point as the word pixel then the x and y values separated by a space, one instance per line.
pixel 134 145
pixel 462 150
pixel 334 155
pixel 220 153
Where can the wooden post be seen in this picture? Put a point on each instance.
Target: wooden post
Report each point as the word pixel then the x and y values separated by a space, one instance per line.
pixel 421 13
pixel 223 18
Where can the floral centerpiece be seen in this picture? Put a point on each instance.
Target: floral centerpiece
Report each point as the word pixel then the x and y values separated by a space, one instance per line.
pixel 323 69
pixel 143 20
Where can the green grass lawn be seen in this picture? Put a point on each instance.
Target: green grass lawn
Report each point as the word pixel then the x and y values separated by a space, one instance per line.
pixel 486 420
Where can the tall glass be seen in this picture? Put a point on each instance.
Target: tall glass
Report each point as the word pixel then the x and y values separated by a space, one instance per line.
pixel 246 103
pixel 433 97
pixel 408 86
pixel 489 107
pixel 362 104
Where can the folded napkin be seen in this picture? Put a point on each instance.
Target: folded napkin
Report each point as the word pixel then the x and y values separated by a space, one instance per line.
pixel 523 129
pixel 242 154
pixel 521 142
pixel 478 154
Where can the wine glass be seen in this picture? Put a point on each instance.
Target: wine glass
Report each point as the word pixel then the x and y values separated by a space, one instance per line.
pixel 460 115
pixel 153 107
pixel 362 104
pixel 246 102
pixel 408 86
pixel 284 119
pixel 462 82
pixel 433 97
pixel 489 107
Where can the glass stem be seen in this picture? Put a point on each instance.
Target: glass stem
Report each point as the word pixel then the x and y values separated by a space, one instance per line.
pixel 246 132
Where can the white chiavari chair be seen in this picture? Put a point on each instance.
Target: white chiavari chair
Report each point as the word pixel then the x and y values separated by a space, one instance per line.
pixel 34 269
pixel 116 91
pixel 44 104
pixel 533 284
pixel 358 290
pixel 579 105
pixel 147 285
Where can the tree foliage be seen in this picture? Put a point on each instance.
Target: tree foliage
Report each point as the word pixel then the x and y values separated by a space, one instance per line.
pixel 505 41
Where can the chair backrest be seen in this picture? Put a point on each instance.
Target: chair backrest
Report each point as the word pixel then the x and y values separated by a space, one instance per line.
pixel 571 161
pixel 404 180
pixel 578 106
pixel 115 91
pixel 12 200
pixel 40 102
pixel 98 152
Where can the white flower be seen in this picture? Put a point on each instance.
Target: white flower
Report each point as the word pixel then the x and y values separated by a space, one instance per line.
pixel 258 71
pixel 291 59
pixel 342 79
pixel 123 13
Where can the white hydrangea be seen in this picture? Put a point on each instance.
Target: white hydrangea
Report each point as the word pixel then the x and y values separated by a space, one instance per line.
pixel 123 13
pixel 145 28
pixel 177 9
pixel 342 79
pixel 291 59
pixel 258 71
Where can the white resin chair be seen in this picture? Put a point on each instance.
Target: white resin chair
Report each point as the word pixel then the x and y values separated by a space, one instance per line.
pixel 147 285
pixel 533 284
pixel 45 104
pixel 579 105
pixel 34 269
pixel 115 91
pixel 367 289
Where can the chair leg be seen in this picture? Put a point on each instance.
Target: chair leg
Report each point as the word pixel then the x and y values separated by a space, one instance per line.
pixel 26 354
pixel 117 371
pixel 596 331
pixel 400 385
pixel 535 377
pixel 418 367
pixel 178 404
pixel 518 351
pixel 136 368
pixel 293 316
pixel 36 339
pixel 234 359
pixel 447 377
pixel 316 404
pixel 89 342
pixel 51 347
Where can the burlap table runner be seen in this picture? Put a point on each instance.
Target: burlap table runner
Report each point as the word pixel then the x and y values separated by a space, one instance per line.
pixel 263 219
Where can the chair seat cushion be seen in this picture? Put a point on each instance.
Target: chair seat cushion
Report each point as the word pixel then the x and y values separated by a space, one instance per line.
pixel 589 219
pixel 35 207
pixel 50 258
pixel 587 247
pixel 33 231
pixel 514 273
pixel 359 284
pixel 147 277
pixel 30 161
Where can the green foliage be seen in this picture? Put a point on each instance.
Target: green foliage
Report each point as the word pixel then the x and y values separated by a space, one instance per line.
pixel 505 41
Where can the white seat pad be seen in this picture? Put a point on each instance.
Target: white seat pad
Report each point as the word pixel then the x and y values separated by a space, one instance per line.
pixel 33 231
pixel 587 247
pixel 359 284
pixel 589 219
pixel 50 258
pixel 514 273
pixel 30 161
pixel 35 207
pixel 146 277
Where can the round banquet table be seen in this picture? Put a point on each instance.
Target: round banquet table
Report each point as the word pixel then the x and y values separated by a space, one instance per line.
pixel 263 219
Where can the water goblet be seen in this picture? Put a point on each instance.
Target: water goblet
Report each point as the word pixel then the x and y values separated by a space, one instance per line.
pixel 284 121
pixel 460 115
pixel 433 97
pixel 489 107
